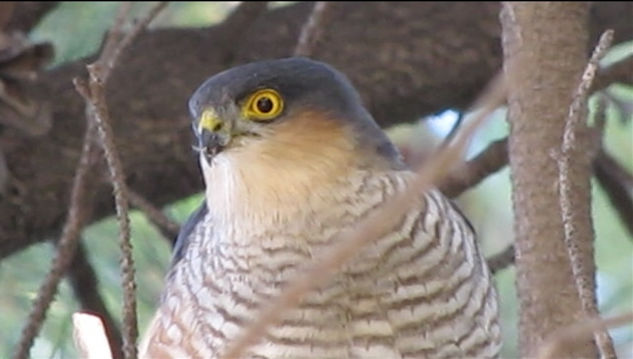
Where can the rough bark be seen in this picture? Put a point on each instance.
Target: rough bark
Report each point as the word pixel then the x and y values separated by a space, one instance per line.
pixel 545 53
pixel 451 51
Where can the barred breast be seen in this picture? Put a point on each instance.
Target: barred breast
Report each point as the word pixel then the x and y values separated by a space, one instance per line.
pixel 423 291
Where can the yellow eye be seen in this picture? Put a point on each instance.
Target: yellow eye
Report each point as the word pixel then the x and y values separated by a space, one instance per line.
pixel 264 105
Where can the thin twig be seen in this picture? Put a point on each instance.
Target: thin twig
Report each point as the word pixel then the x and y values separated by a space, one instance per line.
pixel 83 280
pixel 620 174
pixel 66 246
pixel 569 150
pixel 454 129
pixel 139 26
pixel 94 95
pixel 471 173
pixel 118 41
pixel 374 226
pixel 621 71
pixel 168 227
pixel 613 179
pixel 600 119
pixel 311 30
pixel 115 34
pixel 501 260
pixel 98 112
pixel 571 334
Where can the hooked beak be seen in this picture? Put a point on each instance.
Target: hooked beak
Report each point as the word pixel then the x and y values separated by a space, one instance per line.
pixel 213 134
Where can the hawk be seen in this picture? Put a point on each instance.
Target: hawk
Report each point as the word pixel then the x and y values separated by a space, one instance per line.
pixel 290 158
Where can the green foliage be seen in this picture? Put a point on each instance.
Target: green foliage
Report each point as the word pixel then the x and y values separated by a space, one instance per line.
pixel 76 29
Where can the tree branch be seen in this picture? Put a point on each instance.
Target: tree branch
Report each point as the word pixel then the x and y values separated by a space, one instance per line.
pixel 471 173
pixel 311 30
pixel 147 96
pixel 94 94
pixel 167 227
pixel 27 14
pixel 544 45
pixel 234 27
pixel 570 335
pixel 572 160
pixel 621 71
pixel 84 283
pixel 451 134
pixel 617 183
pixel 501 260
pixel 65 247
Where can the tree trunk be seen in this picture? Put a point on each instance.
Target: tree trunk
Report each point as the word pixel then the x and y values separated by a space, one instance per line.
pixel 545 48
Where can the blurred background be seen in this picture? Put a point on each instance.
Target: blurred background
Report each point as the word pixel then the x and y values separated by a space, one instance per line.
pixel 488 205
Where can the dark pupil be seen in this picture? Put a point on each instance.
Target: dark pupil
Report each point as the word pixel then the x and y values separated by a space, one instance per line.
pixel 264 105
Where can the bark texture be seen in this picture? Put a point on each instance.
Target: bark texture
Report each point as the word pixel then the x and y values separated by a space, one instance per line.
pixel 545 55
pixel 407 60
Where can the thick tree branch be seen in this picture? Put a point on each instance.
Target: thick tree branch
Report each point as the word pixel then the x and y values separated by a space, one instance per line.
pixel 245 13
pixel 398 80
pixel 6 12
pixel 27 14
pixel 234 28
pixel 544 47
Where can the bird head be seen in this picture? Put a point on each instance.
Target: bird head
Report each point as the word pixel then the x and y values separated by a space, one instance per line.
pixel 291 108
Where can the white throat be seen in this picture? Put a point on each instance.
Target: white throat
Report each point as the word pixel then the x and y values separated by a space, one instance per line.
pixel 254 197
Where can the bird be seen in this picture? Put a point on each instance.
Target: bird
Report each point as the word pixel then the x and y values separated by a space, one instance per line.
pixel 291 158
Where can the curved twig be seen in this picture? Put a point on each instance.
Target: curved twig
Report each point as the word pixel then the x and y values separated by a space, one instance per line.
pixel 617 183
pixel 168 227
pixel 94 95
pixel 66 246
pixel 311 29
pixel 501 260
pixel 571 221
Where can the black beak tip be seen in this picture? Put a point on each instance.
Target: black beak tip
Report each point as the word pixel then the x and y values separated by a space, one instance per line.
pixel 210 143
